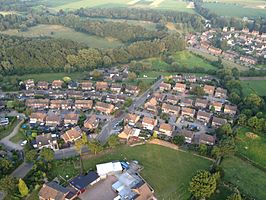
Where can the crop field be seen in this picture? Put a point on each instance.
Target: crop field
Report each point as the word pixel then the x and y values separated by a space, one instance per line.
pixel 257 86
pixel 245 3
pixel 168 171
pixel 58 31
pixel 252 146
pixel 179 5
pixel 235 10
pixel 245 176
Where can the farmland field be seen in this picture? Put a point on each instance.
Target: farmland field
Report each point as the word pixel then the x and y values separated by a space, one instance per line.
pixel 179 5
pixel 253 148
pixel 233 10
pixel 246 177
pixel 246 3
pixel 257 86
pixel 62 32
pixel 168 171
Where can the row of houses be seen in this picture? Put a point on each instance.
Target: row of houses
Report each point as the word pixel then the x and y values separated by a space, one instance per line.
pixel 84 86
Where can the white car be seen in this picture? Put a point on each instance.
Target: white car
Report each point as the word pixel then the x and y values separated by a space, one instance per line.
pixel 23 143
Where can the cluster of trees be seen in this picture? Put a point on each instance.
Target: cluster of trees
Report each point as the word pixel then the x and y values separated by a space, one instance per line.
pixel 156 16
pixel 18 5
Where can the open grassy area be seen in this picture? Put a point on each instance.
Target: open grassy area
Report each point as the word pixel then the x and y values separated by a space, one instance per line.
pixel 179 5
pixel 248 178
pixel 8 129
pixel 246 3
pixel 58 31
pixel 257 86
pixel 168 171
pixel 235 10
pixel 253 148
pixel 20 136
pixel 187 59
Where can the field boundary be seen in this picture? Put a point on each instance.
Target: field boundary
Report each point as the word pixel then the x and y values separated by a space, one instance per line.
pixel 252 78
pixel 253 163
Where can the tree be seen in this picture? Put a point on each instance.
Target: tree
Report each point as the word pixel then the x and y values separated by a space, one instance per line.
pixel 8 184
pixel 235 196
pixel 242 119
pixel 132 76
pixel 67 79
pixel 31 155
pixel 225 129
pixel 203 185
pixel 79 144
pixel 225 147
pixel 23 189
pixel 47 154
pixel 198 91
pixel 5 165
pixel 179 139
pixel 113 141
pixel 203 149
pixel 96 74
pixel 253 100
pixel 95 146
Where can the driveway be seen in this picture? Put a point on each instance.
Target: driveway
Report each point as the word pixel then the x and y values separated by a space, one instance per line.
pixel 10 145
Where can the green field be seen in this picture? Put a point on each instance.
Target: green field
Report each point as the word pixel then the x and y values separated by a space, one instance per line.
pixel 8 129
pixel 253 148
pixel 246 3
pixel 235 10
pixel 257 86
pixel 187 59
pixel 58 31
pixel 246 177
pixel 179 5
pixel 168 171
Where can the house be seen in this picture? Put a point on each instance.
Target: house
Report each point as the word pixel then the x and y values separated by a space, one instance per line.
pixel 215 51
pixel 207 139
pixel 248 60
pixel 53 120
pixel 43 85
pixel 159 96
pixel 72 135
pixel 178 78
pixel 91 122
pixel 209 89
pixel 217 122
pixel 46 141
pixel 83 104
pixel 189 135
pixel 190 78
pixel 126 134
pixel 121 98
pixel 104 107
pixel 151 105
pixel 180 87
pixel 203 116
pixel 220 93
pixel 164 86
pixel 149 123
pixel 204 45
pixel 229 109
pixel 101 86
pixel 166 129
pixel 72 85
pixel 111 98
pixel 38 103
pixel 201 103
pixel 170 109
pixel 216 105
pixel 186 102
pixel 72 94
pixel 54 191
pixel 188 112
pixel 116 88
pixel 71 118
pixel 172 99
pixel 57 95
pixel 61 104
pixel 82 182
pixel 131 89
pixel 86 85
pixel 132 119
pixel 37 117
pixel 57 84
pixel 29 84
pixel 105 169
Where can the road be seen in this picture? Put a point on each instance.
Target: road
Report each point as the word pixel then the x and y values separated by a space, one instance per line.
pixel 6 141
pixel 107 129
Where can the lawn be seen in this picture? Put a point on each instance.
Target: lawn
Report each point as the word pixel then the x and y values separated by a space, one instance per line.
pixel 246 177
pixel 253 148
pixel 187 59
pixel 20 136
pixel 235 10
pixel 54 76
pixel 61 32
pixel 8 129
pixel 168 171
pixel 257 86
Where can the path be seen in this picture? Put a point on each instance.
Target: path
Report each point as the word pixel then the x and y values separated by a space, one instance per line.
pixel 263 78
pixel 6 141
pixel 22 170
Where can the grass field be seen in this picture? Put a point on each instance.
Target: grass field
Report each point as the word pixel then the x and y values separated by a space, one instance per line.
pixel 18 137
pixel 246 3
pixel 235 10
pixel 168 171
pixel 253 148
pixel 57 31
pixel 257 86
pixel 179 5
pixel 248 178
